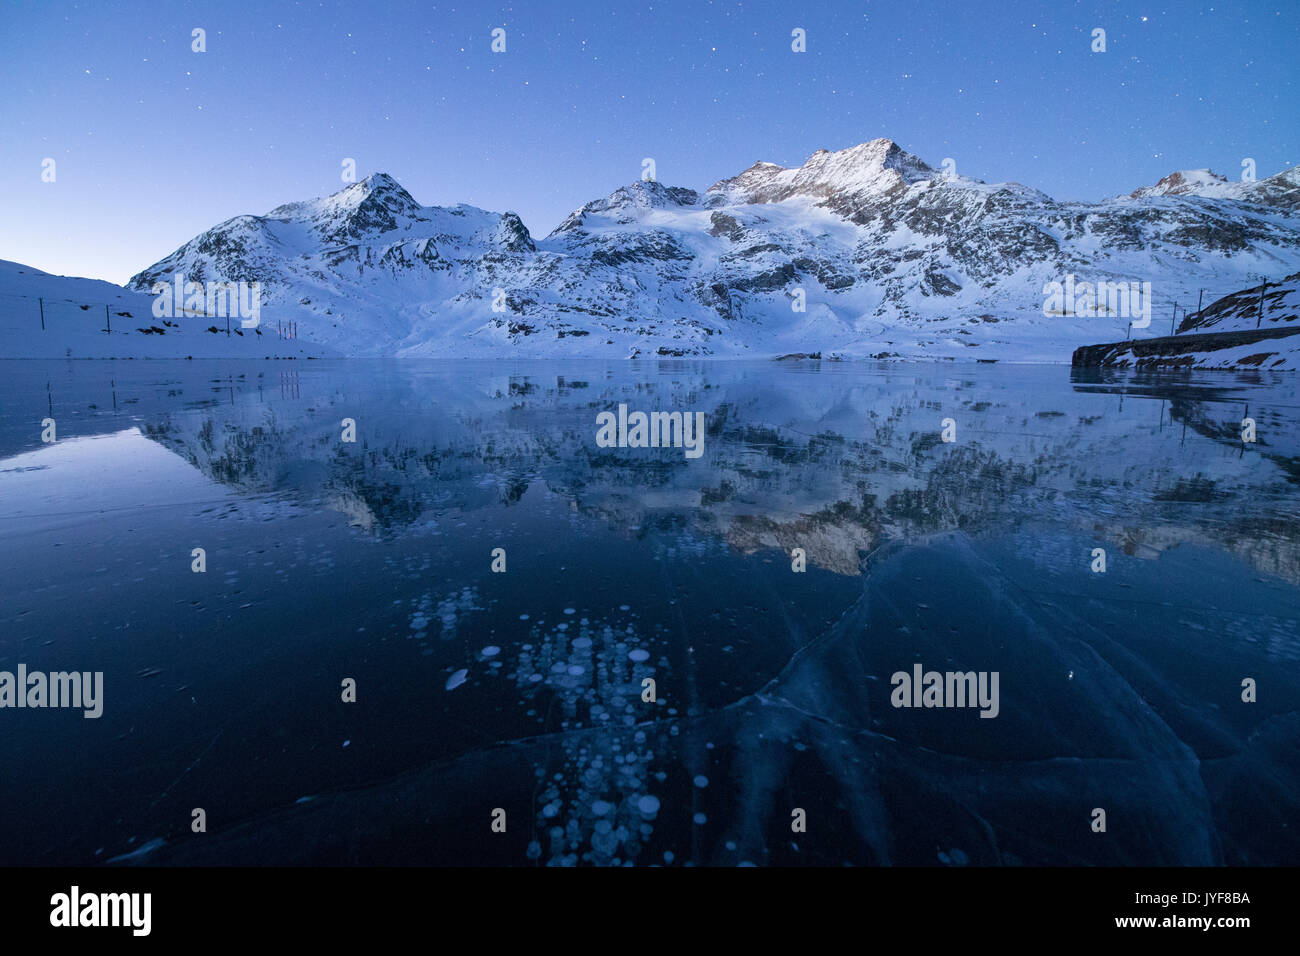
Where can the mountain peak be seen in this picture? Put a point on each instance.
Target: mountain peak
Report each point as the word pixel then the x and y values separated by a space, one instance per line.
pixel 379 188
pixel 640 195
pixel 378 193
pixel 876 166
pixel 1184 182
pixel 380 181
pixel 868 159
pixel 1281 189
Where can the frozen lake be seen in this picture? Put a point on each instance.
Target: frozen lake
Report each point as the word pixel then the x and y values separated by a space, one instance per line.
pixel 525 690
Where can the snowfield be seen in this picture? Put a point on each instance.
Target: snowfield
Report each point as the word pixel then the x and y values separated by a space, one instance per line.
pixel 89 318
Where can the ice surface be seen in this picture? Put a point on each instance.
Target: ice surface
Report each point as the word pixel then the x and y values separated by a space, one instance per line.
pixel 1119 690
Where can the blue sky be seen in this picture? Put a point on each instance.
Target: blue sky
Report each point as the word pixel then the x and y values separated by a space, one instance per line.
pixel 154 143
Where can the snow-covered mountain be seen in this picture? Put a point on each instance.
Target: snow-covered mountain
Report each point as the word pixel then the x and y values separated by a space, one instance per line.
pixel 868 251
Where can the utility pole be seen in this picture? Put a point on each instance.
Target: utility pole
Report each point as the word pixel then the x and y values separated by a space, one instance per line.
pixel 1259 318
pixel 1198 304
pixel 42 302
pixel 108 323
pixel 1173 318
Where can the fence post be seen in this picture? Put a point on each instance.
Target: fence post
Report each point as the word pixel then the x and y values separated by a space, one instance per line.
pixel 42 303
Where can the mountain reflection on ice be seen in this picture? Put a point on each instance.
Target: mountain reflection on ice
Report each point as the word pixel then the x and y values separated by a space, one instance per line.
pixel 523 691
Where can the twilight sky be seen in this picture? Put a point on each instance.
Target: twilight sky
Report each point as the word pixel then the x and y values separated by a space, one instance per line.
pixel 154 143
